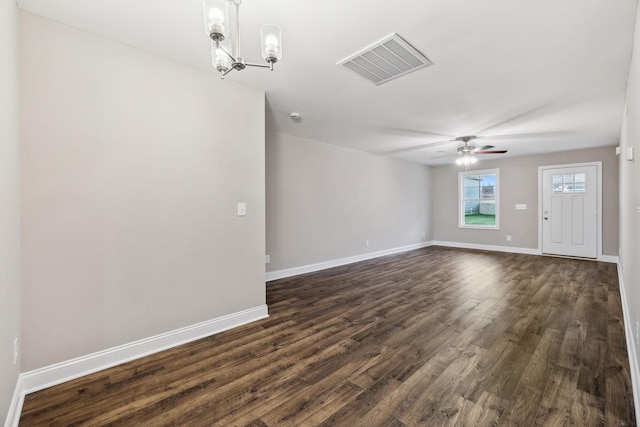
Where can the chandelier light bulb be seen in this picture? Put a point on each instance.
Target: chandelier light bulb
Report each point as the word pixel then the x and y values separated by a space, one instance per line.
pixel 219 58
pixel 271 43
pixel 216 18
pixel 217 21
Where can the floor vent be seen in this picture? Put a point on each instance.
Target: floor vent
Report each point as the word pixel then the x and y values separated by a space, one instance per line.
pixel 386 60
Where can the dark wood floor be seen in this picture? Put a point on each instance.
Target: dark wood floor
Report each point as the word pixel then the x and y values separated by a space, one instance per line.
pixel 431 337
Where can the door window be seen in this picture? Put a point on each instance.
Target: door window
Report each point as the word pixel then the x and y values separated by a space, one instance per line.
pixel 569 183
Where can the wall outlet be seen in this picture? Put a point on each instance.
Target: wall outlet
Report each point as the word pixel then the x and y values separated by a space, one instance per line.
pixel 267 259
pixel 366 243
pixel 16 351
pixel 242 209
pixel 424 234
pixel 508 238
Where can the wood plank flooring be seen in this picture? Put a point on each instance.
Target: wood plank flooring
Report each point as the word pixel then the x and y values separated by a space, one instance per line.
pixel 434 337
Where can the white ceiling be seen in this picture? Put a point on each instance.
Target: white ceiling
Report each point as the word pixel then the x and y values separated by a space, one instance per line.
pixel 532 76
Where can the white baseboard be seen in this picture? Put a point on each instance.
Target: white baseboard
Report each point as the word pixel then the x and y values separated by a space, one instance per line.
pixel 48 376
pixel 631 345
pixel 527 251
pixel 609 258
pixel 288 272
pixel 15 408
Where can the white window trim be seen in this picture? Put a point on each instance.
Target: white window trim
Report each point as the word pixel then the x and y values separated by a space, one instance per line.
pixel 461 176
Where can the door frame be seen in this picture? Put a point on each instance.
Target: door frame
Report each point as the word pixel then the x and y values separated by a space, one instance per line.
pixel 598 166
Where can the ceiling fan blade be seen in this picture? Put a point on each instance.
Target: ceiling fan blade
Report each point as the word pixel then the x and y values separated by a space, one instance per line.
pixel 486 147
pixel 491 152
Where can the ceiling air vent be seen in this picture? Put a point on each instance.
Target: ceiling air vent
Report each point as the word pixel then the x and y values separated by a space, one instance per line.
pixel 386 60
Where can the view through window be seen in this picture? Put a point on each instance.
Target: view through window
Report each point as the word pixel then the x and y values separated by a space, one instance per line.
pixel 479 199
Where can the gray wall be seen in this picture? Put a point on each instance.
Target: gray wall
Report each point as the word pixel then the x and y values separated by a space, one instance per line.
pixel 519 184
pixel 324 202
pixel 630 194
pixel 132 167
pixel 9 202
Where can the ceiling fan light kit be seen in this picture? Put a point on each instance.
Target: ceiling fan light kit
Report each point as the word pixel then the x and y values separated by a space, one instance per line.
pixel 225 48
pixel 466 160
pixel 466 152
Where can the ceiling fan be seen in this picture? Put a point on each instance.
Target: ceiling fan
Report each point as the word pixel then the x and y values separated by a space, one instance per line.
pixel 433 144
pixel 466 153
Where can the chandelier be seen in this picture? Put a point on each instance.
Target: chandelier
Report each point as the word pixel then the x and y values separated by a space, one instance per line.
pixel 225 50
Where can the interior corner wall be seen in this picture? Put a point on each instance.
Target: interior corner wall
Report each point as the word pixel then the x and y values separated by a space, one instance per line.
pixel 519 185
pixel 324 202
pixel 9 202
pixel 630 204
pixel 132 168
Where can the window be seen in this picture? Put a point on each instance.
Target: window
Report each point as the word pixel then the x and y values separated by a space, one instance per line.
pixel 478 196
pixel 569 182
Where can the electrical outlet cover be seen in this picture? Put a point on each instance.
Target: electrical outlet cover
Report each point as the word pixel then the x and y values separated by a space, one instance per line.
pixel 242 209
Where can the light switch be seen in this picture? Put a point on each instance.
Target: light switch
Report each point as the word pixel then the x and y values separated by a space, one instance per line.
pixel 630 154
pixel 242 209
pixel 521 207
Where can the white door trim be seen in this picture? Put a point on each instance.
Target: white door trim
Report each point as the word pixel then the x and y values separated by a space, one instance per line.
pixel 598 166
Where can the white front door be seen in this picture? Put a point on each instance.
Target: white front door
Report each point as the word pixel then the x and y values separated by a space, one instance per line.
pixel 569 211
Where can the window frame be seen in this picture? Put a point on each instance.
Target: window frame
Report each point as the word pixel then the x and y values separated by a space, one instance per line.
pixel 461 176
